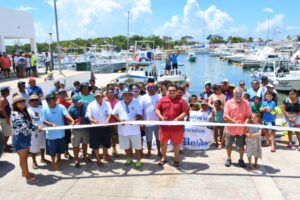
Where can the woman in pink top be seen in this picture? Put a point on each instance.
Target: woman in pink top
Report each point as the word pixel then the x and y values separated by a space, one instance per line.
pixel 217 95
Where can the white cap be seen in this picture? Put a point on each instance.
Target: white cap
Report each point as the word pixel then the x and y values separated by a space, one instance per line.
pixel 225 80
pixel 270 85
pixel 207 82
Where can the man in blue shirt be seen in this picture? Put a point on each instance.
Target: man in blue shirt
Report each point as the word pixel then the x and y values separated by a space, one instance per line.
pixel 76 89
pixel 53 115
pixel 33 88
pixel 77 111
pixel 174 60
pixel 56 87
pixel 255 91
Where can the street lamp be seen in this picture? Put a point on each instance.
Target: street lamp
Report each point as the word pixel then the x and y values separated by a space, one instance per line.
pixel 51 52
pixel 57 37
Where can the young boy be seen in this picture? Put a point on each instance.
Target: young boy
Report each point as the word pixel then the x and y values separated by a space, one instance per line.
pixel 256 104
pixel 268 119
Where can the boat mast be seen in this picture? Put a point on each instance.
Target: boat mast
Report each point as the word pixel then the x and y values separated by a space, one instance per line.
pixel 268 30
pixel 57 38
pixel 203 28
pixel 128 32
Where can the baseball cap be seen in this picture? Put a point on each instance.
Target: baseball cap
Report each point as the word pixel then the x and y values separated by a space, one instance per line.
pixel 76 99
pixel 264 78
pixel 31 79
pixel 128 91
pixel 21 83
pixel 98 93
pixel 270 85
pixel 61 90
pixel 56 82
pixel 225 81
pixel 207 82
pixel 84 84
pixel 34 97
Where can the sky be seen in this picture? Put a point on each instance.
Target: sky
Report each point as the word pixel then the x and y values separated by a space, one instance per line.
pixel 175 18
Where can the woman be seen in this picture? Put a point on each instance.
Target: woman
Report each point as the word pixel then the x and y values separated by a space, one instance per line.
pixel 217 95
pixel 291 111
pixel 21 137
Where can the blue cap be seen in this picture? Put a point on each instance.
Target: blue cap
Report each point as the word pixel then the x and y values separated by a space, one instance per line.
pixel 76 99
pixel 126 90
pixel 84 84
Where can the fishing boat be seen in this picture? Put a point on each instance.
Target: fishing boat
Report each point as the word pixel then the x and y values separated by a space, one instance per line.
pixel 191 57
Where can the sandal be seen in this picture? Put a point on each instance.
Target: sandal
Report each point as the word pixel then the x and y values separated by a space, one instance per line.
pixel 35 166
pixel 138 164
pixel 77 164
pixel 87 160
pixel 176 163
pixel 128 161
pixel 108 160
pixel 99 163
pixel 162 162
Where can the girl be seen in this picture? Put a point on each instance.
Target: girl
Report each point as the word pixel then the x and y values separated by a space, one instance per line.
pixel 291 111
pixel 253 143
pixel 217 117
pixel 21 138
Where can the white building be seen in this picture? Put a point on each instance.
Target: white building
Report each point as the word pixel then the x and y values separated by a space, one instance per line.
pixel 16 25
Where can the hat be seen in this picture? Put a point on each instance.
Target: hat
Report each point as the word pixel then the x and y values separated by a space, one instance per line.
pixel 225 81
pixel 264 78
pixel 76 99
pixel 31 79
pixel 50 97
pixel 121 82
pixel 21 83
pixel 232 85
pixel 34 97
pixel 17 98
pixel 270 85
pixel 56 82
pixel 61 90
pixel 98 93
pixel 207 82
pixel 4 88
pixel 84 84
pixel 150 85
pixel 126 90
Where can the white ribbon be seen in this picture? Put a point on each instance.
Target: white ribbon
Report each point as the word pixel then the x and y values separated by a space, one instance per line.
pixel 174 123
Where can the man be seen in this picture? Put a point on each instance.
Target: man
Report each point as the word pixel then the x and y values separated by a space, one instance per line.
pixel 33 88
pixel 76 89
pixel 171 108
pixel 174 60
pixel 15 63
pixel 254 90
pixel 129 135
pixel 225 88
pixel 5 112
pixel 56 87
pixel 52 116
pixel 236 111
pixel 99 112
pixel 110 98
pixel 47 62
pixel 5 64
pixel 21 66
pixel 33 64
pixel 207 91
pixel 93 86
pixel 77 111
pixel 242 85
pixel 184 94
pixel 85 93
pixel 148 103
pixel 121 89
pixel 23 92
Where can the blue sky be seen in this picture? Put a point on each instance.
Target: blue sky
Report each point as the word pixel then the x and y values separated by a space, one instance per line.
pixel 94 18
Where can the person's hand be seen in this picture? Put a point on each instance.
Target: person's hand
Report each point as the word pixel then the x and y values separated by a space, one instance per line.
pixel 96 122
pixel 8 121
pixel 163 119
pixel 54 125
pixel 72 123
pixel 40 129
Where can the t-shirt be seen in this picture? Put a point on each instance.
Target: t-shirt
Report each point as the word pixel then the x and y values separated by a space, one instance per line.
pixel 33 60
pixel 98 112
pixel 77 113
pixel 5 62
pixel 148 104
pixel 34 90
pixel 75 92
pixel 205 95
pixel 267 116
pixel 292 107
pixel 35 114
pixel 54 115
pixel 87 98
pixel 128 113
pixel 174 58
pixel 255 108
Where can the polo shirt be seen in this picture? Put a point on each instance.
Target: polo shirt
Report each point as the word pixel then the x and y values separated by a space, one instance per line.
pixel 77 113
pixel 34 90
pixel 56 116
pixel 128 113
pixel 87 98
pixel 239 112
pixel 98 112
pixel 171 109
pixel 148 104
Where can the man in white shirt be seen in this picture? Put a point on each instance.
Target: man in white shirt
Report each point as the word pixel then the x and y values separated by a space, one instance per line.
pixel 47 62
pixel 148 103
pixel 99 112
pixel 129 135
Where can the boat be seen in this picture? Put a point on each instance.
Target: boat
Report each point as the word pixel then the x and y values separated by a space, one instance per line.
pixel 191 57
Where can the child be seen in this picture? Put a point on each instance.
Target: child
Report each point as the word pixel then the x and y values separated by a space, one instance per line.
pixel 253 144
pixel 256 104
pixel 268 119
pixel 217 117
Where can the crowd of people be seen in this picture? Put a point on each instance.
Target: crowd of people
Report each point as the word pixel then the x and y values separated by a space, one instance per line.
pixel 120 102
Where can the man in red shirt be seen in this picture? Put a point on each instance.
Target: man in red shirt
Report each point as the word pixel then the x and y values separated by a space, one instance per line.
pixel 5 64
pixel 171 108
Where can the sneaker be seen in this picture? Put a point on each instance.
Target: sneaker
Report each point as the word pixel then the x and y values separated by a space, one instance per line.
pixel 128 161
pixel 138 164
pixel 228 163
pixel 290 145
pixel 242 164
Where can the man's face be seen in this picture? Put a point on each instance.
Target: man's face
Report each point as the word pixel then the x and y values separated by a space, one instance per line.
pixel 57 85
pixel 32 83
pixel 264 82
pixel 51 103
pixel 180 93
pixel 110 94
pixel 255 85
pixel 194 99
pixel 99 98
pixel 207 87
pixel 127 97
pixel 151 91
pixel 85 90
pixel 78 104
pixel 77 86
pixel 172 92
pixel 269 97
pixel 121 85
pixel 238 96
pixel 22 87
pixel 92 83
pixel 34 103
pixel 242 84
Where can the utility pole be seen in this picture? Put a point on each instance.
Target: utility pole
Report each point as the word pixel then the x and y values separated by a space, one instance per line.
pixel 57 38
pixel 268 31
pixel 51 51
pixel 128 32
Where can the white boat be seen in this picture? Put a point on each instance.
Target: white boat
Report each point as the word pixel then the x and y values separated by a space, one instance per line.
pixel 191 57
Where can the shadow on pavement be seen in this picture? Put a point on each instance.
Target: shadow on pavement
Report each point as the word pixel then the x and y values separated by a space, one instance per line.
pixel 45 180
pixel 5 168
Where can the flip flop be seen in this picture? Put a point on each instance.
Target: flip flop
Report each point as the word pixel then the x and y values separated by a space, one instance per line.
pixel 77 165
pixel 176 163
pixel 162 162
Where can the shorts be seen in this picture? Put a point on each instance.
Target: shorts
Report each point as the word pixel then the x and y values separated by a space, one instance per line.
pixel 38 142
pixel 21 68
pixel 175 137
pixel 175 66
pixel 114 133
pixel 150 130
pixel 80 136
pixel 297 122
pixel 128 141
pixel 239 140
pixel 56 146
pixel 100 136
pixel 68 136
pixel 33 68
pixel 6 128
pixel 168 67
pixel 21 141
pixel 6 70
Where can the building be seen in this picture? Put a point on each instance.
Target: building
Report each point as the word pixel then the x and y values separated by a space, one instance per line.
pixel 16 25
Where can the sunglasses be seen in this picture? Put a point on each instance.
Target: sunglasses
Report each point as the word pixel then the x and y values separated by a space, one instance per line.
pixel 238 95
pixel 243 84
pixel 22 101
pixel 172 90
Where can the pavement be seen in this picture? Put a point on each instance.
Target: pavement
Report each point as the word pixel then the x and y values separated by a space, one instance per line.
pixel 201 175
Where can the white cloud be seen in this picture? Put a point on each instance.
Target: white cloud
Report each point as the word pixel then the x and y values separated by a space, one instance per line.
pixel 238 31
pixel 191 23
pixel 275 22
pixel 25 8
pixel 141 7
pixel 268 10
pixel 40 32
pixel 291 28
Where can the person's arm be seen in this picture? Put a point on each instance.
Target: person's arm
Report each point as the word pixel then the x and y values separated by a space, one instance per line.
pixel 71 120
pixel 183 113
pixel 213 116
pixel 47 123
pixel 3 111
pixel 159 115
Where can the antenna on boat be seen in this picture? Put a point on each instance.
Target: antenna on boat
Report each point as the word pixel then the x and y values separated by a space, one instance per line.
pixel 128 31
pixel 57 38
